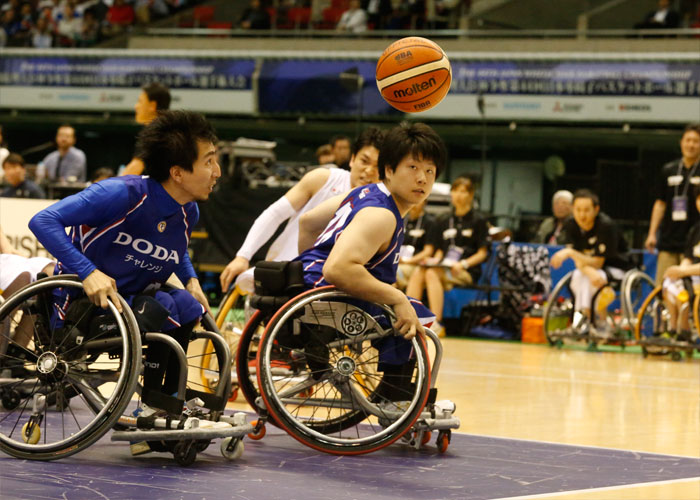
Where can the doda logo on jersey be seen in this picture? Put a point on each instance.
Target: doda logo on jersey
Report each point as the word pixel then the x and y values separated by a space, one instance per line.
pixel 147 248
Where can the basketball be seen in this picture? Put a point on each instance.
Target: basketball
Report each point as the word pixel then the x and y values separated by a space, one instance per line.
pixel 413 74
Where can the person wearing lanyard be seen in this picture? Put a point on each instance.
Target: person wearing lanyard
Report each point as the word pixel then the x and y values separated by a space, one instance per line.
pixel 463 246
pixel 673 215
pixel 418 246
pixel 599 252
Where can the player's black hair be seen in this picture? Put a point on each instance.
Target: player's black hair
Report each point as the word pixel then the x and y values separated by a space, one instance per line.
pixel 159 93
pixel 416 139
pixel 695 127
pixel 587 193
pixel 14 158
pixel 337 138
pixel 171 139
pixel 371 136
pixel 464 180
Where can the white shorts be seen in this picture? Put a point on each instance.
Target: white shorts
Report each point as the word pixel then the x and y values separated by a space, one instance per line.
pixel 12 265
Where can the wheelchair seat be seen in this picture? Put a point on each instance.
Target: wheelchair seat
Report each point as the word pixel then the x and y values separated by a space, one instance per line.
pixel 276 283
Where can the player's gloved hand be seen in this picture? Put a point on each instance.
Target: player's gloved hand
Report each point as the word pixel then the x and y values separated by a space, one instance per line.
pixel 233 269
pixel 99 287
pixel 407 323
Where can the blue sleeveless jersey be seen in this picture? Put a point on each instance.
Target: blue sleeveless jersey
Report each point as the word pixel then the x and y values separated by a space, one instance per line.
pixel 382 266
pixel 129 228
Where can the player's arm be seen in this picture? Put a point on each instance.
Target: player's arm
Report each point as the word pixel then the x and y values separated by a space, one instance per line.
pixel 313 222
pixel 364 237
pixel 657 215
pixel 135 167
pixel 267 222
pixel 91 207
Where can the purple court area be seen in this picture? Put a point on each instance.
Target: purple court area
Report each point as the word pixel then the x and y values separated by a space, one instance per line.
pixel 278 467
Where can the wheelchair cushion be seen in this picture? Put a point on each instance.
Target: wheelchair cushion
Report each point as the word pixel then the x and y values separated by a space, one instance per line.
pixel 278 278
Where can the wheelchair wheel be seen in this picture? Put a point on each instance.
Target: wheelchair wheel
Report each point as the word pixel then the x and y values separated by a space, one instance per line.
pixel 332 393
pixel 230 320
pixel 653 320
pixel 246 354
pixel 636 286
pixel 93 362
pixel 558 313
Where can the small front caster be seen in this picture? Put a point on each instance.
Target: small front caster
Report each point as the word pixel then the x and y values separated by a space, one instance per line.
pixel 232 448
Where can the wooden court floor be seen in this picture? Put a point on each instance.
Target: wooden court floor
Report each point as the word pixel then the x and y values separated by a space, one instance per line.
pixel 601 399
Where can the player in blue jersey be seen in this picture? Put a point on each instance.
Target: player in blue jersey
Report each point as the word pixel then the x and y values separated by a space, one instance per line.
pixel 357 238
pixel 129 234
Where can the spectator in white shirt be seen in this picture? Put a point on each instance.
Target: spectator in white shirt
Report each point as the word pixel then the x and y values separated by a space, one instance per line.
pixel 354 19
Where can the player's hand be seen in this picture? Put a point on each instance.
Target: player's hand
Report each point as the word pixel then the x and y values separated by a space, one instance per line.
pixel 650 243
pixel 233 269
pixel 99 287
pixel 407 323
pixel 195 289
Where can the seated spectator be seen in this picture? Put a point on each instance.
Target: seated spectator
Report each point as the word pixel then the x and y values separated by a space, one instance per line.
pixel 68 162
pixel 378 12
pixel 255 17
pixel 418 246
pixel 119 17
pixel 442 14
pixel 681 282
pixel 461 238
pixel 42 36
pixel 68 27
pixel 551 231
pixel 101 174
pixel 26 25
pixel 662 18
pixel 324 155
pixel 16 179
pixel 407 14
pixel 354 19
pixel 145 10
pixel 90 30
pixel 597 248
pixel 10 25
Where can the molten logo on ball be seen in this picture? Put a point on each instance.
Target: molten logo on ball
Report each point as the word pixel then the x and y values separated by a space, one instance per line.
pixel 413 74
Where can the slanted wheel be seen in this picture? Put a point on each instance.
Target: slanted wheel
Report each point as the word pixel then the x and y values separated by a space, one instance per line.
pixel 332 344
pixel 558 312
pixel 653 319
pixel 245 359
pixel 636 286
pixel 185 453
pixel 80 359
pixel 230 319
pixel 232 448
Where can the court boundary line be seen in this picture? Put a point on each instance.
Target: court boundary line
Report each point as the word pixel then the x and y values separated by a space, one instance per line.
pixel 602 488
pixel 574 445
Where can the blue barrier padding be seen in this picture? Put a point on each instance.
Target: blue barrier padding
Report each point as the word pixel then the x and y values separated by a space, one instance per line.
pixel 457 298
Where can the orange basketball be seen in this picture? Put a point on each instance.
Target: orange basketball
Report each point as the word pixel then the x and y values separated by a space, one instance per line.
pixel 413 74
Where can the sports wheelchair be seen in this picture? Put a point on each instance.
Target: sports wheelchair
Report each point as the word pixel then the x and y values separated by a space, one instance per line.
pixel 614 309
pixel 64 384
pixel 655 333
pixel 312 363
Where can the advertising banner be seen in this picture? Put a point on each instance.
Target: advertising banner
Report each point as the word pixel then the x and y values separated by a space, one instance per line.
pixel 111 83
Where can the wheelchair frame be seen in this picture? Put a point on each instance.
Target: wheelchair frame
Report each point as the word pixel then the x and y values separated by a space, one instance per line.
pixel 57 364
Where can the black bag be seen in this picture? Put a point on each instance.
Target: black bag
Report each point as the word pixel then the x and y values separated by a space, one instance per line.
pixel 278 278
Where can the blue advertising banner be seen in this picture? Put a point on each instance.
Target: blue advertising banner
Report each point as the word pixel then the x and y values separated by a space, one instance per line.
pixel 324 87
pixel 113 83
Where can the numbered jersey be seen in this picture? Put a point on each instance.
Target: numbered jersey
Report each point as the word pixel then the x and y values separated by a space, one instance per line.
pixel 383 265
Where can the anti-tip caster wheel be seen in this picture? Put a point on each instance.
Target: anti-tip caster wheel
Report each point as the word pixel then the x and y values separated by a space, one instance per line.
pixel 31 436
pixel 258 430
pixel 185 453
pixel 236 450
pixel 443 441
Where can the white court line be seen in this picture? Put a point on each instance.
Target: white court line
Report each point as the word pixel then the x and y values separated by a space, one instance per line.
pixel 570 380
pixel 506 438
pixel 604 488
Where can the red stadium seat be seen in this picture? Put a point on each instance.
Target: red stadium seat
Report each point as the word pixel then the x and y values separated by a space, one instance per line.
pixel 203 14
pixel 299 16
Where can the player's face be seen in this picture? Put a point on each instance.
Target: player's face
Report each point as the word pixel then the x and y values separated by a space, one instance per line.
pixel 690 145
pixel 363 167
pixel 561 208
pixel 411 182
pixel 199 183
pixel 144 109
pixel 585 213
